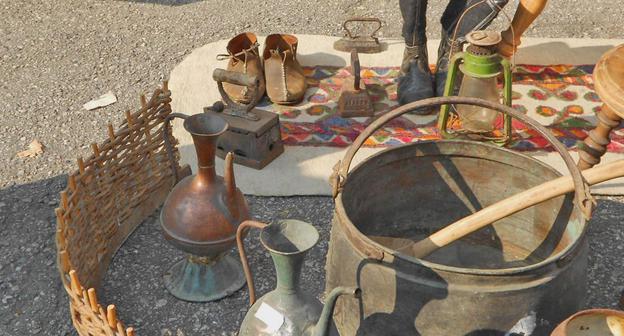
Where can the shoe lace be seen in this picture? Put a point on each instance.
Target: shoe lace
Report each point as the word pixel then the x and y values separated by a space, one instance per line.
pixel 283 54
pixel 452 47
pixel 413 52
pixel 239 56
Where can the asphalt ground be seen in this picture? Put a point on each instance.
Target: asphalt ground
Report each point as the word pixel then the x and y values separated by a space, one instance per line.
pixel 57 55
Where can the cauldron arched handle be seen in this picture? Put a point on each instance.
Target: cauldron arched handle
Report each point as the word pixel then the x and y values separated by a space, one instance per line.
pixel 584 200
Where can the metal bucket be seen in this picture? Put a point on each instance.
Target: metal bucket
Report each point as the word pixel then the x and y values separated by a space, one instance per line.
pixel 520 276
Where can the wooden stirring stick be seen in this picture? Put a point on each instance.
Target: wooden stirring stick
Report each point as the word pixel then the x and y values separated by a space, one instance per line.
pixel 509 206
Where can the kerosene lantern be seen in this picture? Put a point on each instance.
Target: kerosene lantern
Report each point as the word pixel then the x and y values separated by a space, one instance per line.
pixel 200 217
pixel 481 66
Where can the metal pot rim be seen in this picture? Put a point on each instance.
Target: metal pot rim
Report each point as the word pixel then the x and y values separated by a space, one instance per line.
pixel 292 221
pixel 344 220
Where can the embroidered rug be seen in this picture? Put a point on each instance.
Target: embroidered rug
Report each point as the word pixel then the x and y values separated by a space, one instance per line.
pixel 560 97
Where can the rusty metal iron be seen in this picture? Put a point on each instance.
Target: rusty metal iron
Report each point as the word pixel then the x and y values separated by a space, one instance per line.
pixel 200 217
pixel 254 135
pixel 287 310
pixel 354 100
pixel 362 44
pixel 504 278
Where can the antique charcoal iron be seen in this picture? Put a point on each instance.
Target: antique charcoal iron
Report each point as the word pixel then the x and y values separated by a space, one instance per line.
pixel 254 135
pixel 287 310
pixel 362 44
pixel 354 100
pixel 200 217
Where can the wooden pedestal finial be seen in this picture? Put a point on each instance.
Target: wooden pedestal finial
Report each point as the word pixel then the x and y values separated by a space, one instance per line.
pixel 609 84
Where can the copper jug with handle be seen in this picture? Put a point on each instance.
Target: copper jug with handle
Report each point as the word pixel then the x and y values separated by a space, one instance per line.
pixel 200 217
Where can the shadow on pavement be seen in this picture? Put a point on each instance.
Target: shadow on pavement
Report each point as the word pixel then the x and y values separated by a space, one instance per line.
pixel 32 298
pixel 33 301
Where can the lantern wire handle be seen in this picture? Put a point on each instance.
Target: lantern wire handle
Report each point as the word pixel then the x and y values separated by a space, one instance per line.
pixel 500 9
pixel 453 116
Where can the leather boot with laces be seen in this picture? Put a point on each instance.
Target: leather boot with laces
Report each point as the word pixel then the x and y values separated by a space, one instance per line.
pixel 415 82
pixel 445 51
pixel 243 57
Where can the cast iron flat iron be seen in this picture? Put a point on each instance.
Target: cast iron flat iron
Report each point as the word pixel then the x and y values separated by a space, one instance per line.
pixel 354 100
pixel 362 44
pixel 254 135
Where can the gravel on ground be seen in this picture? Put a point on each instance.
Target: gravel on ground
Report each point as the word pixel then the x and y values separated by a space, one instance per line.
pixel 57 55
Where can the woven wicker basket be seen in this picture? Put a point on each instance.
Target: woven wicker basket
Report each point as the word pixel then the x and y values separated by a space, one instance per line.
pixel 125 180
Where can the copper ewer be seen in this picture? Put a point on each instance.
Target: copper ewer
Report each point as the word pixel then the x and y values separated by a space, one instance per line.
pixel 200 216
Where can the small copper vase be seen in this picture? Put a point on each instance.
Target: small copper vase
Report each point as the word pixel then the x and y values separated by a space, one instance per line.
pixel 200 216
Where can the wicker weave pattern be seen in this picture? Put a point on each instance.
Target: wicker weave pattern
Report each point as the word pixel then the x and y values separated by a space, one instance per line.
pixel 125 180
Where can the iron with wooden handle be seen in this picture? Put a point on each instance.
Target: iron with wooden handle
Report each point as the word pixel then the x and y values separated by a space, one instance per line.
pixel 354 100
pixel 509 206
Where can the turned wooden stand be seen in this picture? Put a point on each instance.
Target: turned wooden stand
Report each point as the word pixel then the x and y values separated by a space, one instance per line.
pixel 609 84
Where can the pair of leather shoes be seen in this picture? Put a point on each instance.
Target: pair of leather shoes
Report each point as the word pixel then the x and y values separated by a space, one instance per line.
pixel 416 81
pixel 278 70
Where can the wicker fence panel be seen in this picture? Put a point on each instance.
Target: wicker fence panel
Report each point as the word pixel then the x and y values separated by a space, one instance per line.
pixel 126 179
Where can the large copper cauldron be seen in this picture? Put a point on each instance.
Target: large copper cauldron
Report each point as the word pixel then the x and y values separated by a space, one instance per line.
pixel 200 216
pixel 521 276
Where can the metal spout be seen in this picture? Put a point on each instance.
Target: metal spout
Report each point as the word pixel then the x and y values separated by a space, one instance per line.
pixel 228 174
pixel 230 184
pixel 320 329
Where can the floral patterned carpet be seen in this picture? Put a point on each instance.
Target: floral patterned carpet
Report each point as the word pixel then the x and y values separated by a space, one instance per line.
pixel 560 97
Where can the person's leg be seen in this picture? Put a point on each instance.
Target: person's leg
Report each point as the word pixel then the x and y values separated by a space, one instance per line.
pixel 451 14
pixel 415 82
pixel 478 18
pixel 414 21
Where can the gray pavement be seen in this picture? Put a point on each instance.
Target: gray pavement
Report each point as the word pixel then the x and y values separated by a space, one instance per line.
pixel 57 55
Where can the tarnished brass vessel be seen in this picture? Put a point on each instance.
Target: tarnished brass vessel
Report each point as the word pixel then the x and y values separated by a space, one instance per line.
pixel 287 310
pixel 200 216
pixel 520 276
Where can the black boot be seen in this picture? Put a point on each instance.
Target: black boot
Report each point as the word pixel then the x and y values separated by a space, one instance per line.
pixel 477 18
pixel 415 82
pixel 445 51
